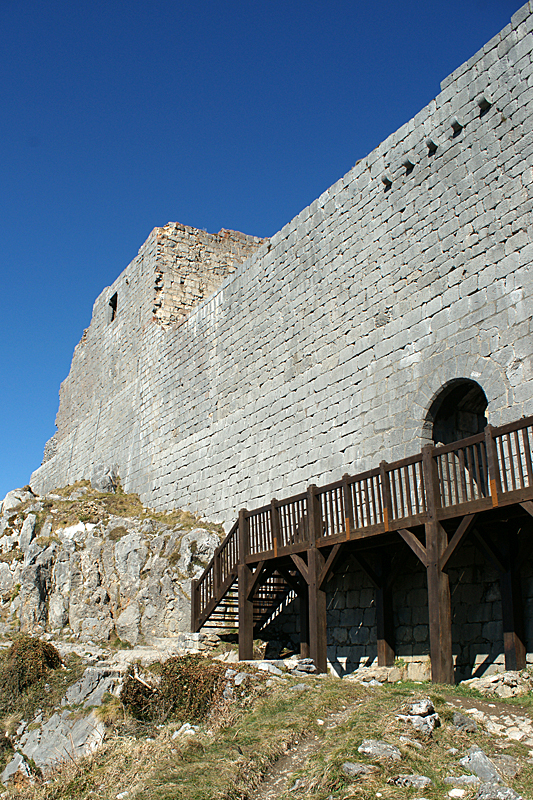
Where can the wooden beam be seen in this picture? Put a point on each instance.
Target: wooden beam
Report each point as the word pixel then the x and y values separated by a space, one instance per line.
pixel 254 579
pixel 293 581
pixel 301 566
pixel 493 465
pixel 246 615
pixel 317 611
pixel 195 606
pixel 528 506
pixel 304 624
pixel 384 614
pixel 330 562
pixel 462 529
pixel 415 544
pixel 439 606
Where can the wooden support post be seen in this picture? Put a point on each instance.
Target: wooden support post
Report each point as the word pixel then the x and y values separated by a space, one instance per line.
pixel 274 525
pixel 386 494
pixel 513 620
pixel 304 625
pixel 384 615
pixel 216 572
pixel 195 605
pixel 317 611
pixel 439 603
pixel 512 607
pixel 349 524
pixel 316 594
pixel 246 605
pixel 438 584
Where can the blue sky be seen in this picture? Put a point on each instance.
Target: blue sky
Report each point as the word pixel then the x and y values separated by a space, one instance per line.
pixel 120 116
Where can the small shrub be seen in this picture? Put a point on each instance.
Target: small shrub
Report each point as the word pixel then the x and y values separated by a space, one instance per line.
pixel 27 661
pixel 189 686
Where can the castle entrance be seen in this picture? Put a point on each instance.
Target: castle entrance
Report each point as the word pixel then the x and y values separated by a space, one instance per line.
pixel 458 411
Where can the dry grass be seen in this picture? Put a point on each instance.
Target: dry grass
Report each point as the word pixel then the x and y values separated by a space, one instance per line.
pixel 225 759
pixel 94 506
pixel 237 745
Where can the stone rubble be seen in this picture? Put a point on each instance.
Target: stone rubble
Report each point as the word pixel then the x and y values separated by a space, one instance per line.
pixel 504 684
pixel 422 717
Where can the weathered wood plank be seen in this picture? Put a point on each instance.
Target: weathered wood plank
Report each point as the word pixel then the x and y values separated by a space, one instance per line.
pixel 415 544
pixel 462 530
pixel 439 606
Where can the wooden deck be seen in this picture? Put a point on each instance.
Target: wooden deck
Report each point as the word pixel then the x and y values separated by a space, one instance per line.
pixel 431 500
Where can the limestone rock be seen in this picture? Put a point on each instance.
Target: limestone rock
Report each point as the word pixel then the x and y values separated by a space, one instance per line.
pixel 476 761
pixel 414 781
pixel 462 780
pixel 92 580
pixel 17 764
pixel 511 683
pixel 15 497
pixel 422 717
pixel 464 723
pixel 63 737
pixel 374 748
pixel 127 624
pixel 104 479
pixel 27 533
pixel 356 770
pixel 493 791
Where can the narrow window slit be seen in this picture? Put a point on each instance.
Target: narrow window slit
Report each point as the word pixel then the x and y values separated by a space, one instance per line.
pixel 113 307
pixel 431 146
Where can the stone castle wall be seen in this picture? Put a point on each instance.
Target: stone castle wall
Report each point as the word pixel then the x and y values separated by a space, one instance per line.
pixel 322 352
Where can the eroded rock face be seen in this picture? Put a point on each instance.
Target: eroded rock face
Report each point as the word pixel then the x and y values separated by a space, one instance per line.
pixel 125 576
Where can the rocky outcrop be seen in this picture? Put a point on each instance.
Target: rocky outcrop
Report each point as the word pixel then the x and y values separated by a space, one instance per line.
pixel 71 568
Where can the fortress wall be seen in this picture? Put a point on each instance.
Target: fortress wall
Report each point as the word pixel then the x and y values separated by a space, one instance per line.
pixel 322 352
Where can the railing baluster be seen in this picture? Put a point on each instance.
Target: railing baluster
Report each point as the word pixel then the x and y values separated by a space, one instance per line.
pixel 462 476
pixel 527 451
pixel 348 506
pixel 519 460
pixel 503 464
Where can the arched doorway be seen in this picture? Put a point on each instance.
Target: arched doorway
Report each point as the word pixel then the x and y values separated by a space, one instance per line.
pixel 458 411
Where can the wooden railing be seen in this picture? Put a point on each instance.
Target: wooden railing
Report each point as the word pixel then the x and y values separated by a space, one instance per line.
pixel 484 471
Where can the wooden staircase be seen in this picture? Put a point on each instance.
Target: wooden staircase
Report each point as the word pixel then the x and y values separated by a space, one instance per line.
pixel 430 502
pixel 271 596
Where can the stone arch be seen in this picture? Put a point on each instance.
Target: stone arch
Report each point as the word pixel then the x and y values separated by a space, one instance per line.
pixel 457 411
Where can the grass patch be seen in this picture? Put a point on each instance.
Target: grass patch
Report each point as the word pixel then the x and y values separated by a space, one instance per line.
pixel 231 752
pixel 12 555
pixel 94 506
pixel 117 533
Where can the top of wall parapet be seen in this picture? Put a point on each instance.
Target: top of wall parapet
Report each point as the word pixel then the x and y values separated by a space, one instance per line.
pixel 456 102
pixel 459 90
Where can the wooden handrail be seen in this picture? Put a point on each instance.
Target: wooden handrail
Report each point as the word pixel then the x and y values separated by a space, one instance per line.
pixel 417 488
